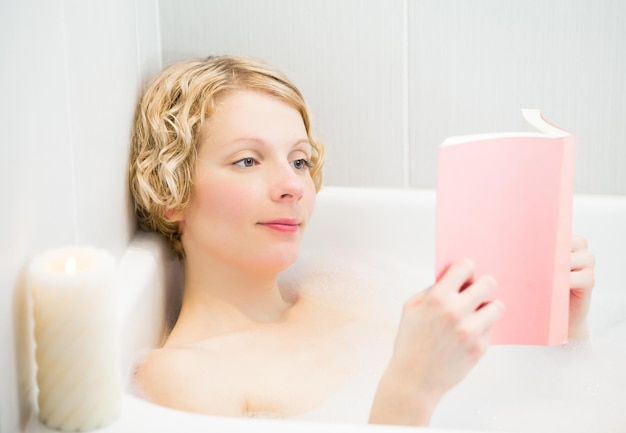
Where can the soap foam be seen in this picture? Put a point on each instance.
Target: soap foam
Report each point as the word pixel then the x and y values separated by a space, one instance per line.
pixel 576 387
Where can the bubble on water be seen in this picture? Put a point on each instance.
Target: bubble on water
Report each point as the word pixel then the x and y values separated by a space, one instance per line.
pixel 357 277
pixel 575 387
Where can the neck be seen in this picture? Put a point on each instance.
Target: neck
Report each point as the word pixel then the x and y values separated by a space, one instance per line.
pixel 219 299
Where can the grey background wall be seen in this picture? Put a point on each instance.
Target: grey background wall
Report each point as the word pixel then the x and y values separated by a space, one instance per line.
pixel 388 80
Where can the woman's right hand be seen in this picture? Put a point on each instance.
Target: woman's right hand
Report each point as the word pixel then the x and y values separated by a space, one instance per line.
pixel 442 334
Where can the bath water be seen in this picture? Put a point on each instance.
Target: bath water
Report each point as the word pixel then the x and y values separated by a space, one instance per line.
pixel 577 387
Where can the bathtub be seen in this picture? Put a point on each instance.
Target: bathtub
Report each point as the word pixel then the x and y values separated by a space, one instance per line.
pixel 513 388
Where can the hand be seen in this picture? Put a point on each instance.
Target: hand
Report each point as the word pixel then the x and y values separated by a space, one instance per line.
pixel 442 334
pixel 582 280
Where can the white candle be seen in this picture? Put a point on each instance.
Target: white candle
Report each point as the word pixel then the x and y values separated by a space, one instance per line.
pixel 77 353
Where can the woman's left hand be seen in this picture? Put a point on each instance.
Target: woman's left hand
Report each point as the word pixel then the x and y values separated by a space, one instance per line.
pixel 582 280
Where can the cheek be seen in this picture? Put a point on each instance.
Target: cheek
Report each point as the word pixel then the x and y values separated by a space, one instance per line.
pixel 226 201
pixel 309 198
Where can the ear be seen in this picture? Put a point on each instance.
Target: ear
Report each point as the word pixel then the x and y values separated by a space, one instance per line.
pixel 173 215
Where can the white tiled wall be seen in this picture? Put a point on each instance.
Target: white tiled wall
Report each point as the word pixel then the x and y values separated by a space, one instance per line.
pixel 388 80
pixel 69 78
pixel 342 54
pixel 474 64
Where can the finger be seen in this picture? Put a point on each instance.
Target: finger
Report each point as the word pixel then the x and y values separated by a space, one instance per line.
pixel 579 243
pixel 482 344
pixel 581 259
pixel 459 273
pixel 582 280
pixel 478 293
pixel 478 327
pixel 417 299
pixel 488 315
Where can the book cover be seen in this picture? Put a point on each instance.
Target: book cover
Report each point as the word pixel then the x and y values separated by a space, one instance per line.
pixel 505 202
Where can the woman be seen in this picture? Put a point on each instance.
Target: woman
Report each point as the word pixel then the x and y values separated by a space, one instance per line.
pixel 224 165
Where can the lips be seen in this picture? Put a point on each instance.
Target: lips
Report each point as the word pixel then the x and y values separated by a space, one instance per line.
pixel 284 225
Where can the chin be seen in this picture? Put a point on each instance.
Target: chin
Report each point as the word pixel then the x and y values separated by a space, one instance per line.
pixel 277 261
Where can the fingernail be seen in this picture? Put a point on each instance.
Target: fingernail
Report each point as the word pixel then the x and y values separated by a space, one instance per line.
pixel 491 280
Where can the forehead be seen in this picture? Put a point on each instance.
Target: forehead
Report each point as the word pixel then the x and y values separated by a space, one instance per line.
pixel 252 113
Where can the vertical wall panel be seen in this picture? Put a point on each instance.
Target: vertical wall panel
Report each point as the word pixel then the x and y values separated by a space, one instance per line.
pixel 35 174
pixel 70 78
pixel 473 65
pixel 346 56
pixel 103 82
pixel 148 40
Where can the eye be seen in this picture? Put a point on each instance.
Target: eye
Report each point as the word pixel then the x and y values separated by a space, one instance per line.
pixel 301 164
pixel 246 162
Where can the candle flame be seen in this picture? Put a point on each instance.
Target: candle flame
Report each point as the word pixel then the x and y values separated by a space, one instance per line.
pixel 70 265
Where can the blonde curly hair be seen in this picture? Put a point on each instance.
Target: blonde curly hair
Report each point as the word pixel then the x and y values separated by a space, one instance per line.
pixel 170 114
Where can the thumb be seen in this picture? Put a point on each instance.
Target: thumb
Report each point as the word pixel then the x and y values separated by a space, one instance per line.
pixel 417 299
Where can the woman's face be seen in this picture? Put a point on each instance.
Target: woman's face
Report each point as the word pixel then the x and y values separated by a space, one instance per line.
pixel 253 194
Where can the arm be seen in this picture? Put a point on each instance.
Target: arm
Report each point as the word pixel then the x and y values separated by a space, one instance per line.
pixel 582 280
pixel 442 334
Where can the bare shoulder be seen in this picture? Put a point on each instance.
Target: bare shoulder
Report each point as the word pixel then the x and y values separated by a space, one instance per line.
pixel 182 378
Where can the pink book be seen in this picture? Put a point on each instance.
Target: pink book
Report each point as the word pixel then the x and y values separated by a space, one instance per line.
pixel 505 202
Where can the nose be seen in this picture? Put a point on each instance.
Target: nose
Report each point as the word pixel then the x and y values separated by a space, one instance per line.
pixel 286 184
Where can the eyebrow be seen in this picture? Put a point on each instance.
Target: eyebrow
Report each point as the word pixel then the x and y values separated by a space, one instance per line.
pixel 264 143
